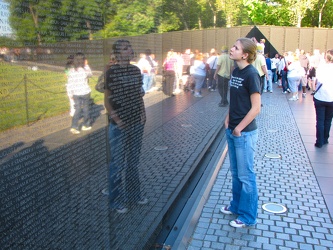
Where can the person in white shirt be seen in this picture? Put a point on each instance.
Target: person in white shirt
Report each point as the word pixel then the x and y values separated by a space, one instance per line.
pixel 275 63
pixel 294 75
pixel 323 100
pixel 145 68
pixel 198 70
pixel 79 90
pixel 212 62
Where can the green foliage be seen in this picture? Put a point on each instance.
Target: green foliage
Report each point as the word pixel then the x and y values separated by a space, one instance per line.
pixel 262 13
pixel 9 42
pixel 131 18
pixel 47 21
pixel 311 18
pixel 169 22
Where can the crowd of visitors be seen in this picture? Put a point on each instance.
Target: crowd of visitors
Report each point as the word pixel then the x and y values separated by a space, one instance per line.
pixel 293 72
pixel 244 69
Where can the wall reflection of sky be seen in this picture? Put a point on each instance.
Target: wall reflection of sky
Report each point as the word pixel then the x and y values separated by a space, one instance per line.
pixel 5 28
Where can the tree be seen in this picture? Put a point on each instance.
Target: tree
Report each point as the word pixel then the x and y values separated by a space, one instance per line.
pixel 187 12
pixel 320 15
pixel 130 18
pixel 298 9
pixel 38 22
pixel 85 14
pixel 321 12
pixel 267 13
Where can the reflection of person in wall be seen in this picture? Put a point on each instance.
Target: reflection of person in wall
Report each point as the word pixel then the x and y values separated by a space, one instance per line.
pixel 242 134
pixel 123 100
pixel 68 66
pixel 79 90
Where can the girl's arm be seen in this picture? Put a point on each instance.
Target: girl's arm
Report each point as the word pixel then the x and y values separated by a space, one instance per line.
pixel 111 111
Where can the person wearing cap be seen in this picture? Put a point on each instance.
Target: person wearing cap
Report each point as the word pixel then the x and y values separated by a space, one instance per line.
pixel 260 65
pixel 262 43
pixel 222 75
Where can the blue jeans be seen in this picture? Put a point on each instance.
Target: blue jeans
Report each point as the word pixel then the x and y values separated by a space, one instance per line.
pixel 199 81
pixel 324 114
pixel 274 77
pixel 125 147
pixel 211 80
pixel 268 83
pixel 223 87
pixel 294 83
pixel 81 103
pixel 147 82
pixel 244 187
pixel 284 80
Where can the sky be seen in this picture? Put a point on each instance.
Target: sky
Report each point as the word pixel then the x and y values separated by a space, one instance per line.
pixel 5 29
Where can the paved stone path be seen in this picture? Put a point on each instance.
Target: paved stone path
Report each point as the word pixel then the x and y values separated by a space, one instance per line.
pixel 289 180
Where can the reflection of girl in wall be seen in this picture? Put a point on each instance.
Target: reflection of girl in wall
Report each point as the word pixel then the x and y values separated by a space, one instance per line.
pixel 79 90
pixel 242 134
pixel 123 100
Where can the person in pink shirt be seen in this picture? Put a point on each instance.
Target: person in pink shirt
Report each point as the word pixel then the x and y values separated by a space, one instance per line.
pixel 170 67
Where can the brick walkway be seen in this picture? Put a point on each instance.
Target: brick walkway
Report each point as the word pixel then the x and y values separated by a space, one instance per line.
pixel 289 180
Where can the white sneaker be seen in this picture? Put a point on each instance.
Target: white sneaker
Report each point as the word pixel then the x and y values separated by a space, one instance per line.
pixel 237 223
pixel 143 201
pixel 84 128
pixel 197 95
pixel 304 95
pixel 74 131
pixel 122 210
pixel 225 210
pixel 294 98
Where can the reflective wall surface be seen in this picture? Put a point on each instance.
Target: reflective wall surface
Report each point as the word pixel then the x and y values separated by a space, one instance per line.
pixel 60 187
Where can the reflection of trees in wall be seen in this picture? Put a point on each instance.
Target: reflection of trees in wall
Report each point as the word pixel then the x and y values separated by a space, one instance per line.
pixel 38 22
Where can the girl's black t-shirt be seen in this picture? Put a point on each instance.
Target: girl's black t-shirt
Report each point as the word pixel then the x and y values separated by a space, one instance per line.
pixel 243 84
pixel 125 84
